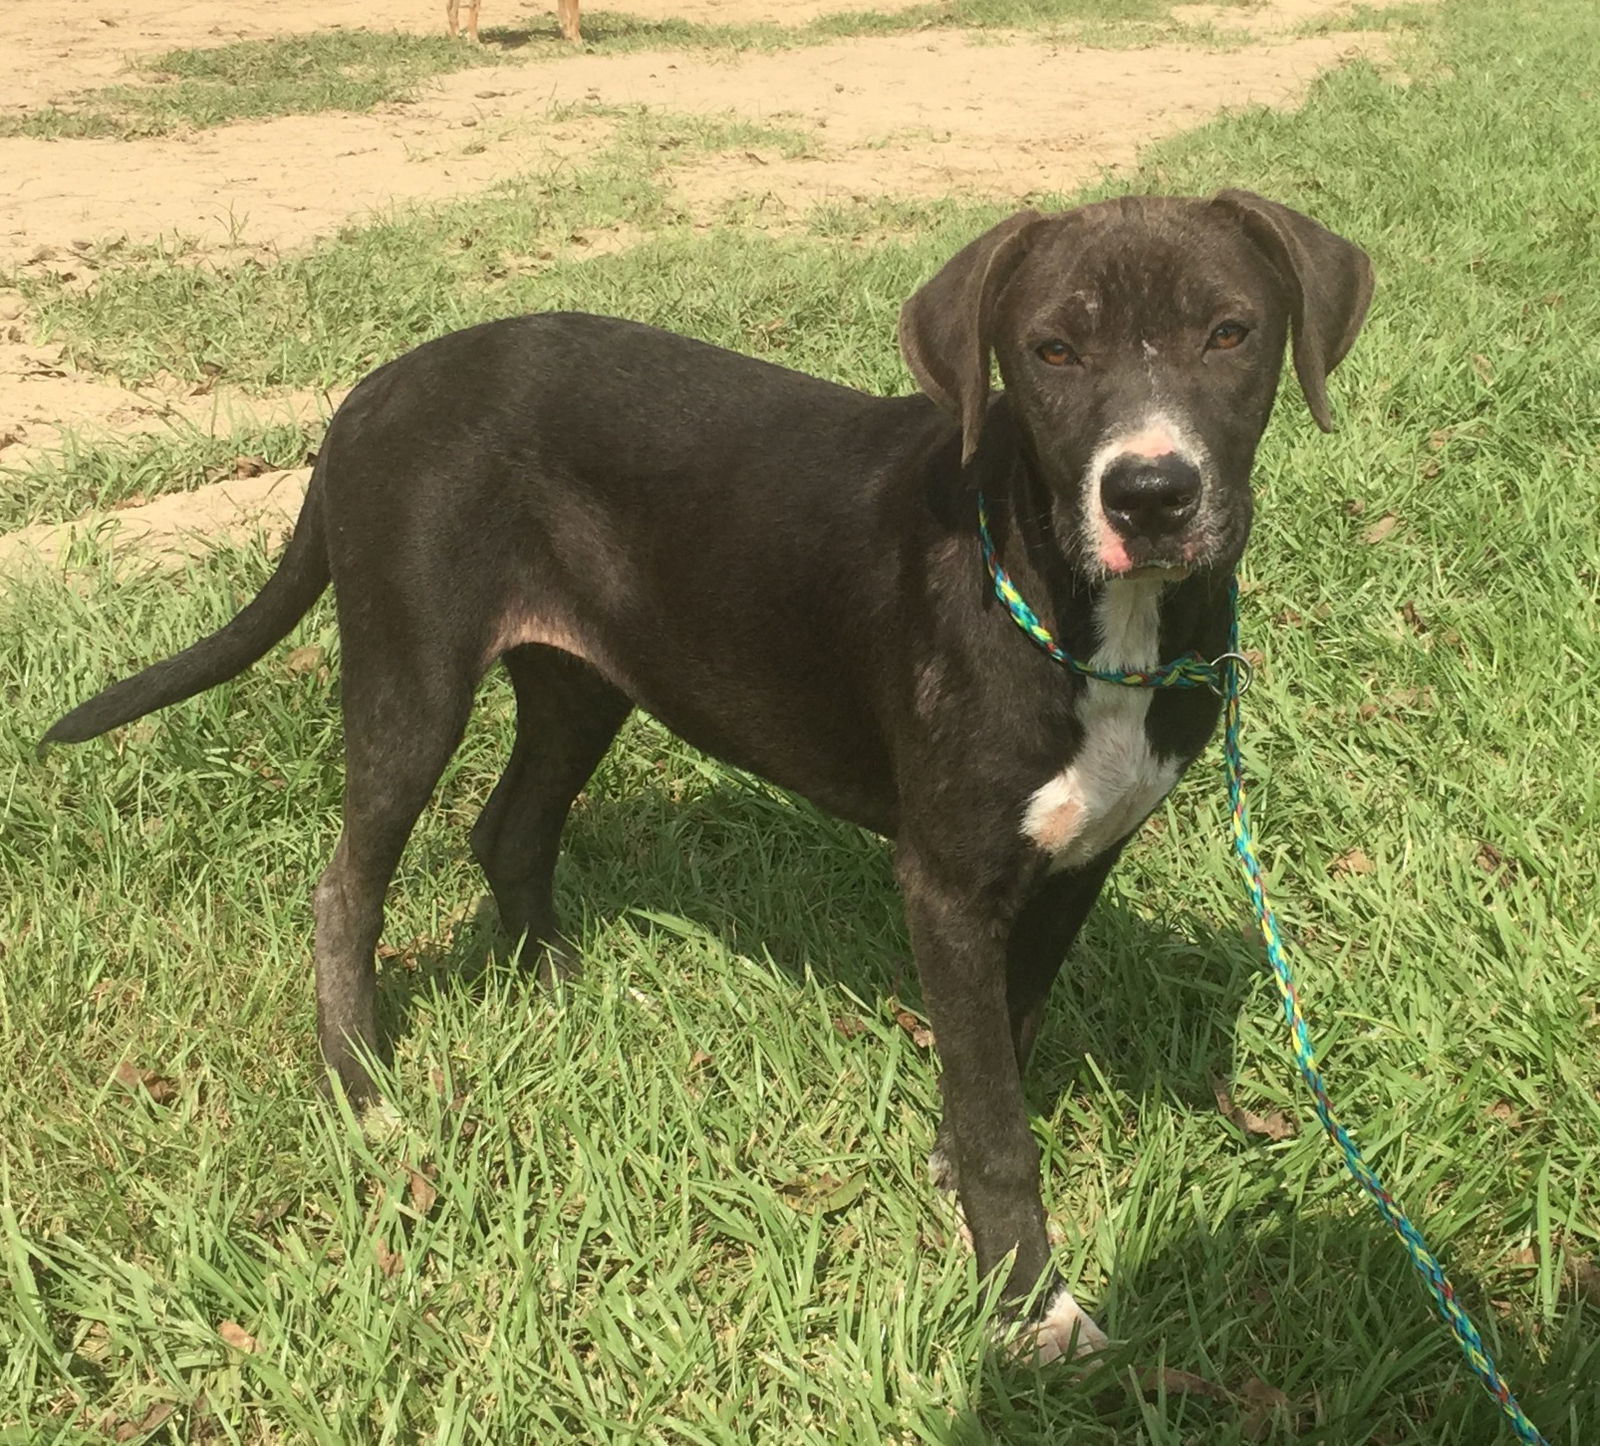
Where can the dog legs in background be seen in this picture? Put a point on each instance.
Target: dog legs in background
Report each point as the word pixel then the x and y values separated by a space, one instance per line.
pixel 452 10
pixel 567 10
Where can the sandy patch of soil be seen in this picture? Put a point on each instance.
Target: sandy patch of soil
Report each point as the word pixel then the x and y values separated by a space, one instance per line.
pixel 275 184
pixel 171 530
pixel 922 114
pixel 942 116
pixel 41 398
pixel 70 45
pixel 926 114
pixel 1272 17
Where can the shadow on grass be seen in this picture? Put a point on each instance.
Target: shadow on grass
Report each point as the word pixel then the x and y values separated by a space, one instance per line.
pixel 775 879
pixel 1298 1324
pixel 1296 1329
pixel 602 29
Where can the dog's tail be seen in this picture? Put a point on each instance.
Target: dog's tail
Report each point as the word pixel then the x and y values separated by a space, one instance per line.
pixel 301 575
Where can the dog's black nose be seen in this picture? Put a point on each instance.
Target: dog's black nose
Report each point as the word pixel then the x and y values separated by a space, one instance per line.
pixel 1150 496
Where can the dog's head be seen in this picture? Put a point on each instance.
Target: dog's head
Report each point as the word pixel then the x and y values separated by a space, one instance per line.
pixel 1140 342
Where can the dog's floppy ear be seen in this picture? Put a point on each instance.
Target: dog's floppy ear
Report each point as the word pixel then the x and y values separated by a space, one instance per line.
pixel 946 327
pixel 1330 286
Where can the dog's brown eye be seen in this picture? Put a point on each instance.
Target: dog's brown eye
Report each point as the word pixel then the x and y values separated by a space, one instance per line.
pixel 1058 354
pixel 1227 336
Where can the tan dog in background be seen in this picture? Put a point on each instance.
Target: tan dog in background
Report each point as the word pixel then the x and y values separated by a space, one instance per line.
pixel 566 9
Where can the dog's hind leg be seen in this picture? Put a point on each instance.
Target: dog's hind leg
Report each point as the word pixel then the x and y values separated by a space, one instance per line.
pixel 404 714
pixel 567 715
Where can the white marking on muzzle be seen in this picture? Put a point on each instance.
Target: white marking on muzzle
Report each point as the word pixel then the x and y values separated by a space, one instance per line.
pixel 1159 435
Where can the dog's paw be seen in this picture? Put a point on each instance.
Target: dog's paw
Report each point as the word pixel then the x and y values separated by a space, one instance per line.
pixel 556 962
pixel 942 1170
pixel 1064 1329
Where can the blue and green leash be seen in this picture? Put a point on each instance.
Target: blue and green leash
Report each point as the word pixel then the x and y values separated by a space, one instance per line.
pixel 1229 677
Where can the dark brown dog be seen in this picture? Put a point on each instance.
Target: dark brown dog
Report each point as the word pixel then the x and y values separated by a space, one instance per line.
pixel 787 573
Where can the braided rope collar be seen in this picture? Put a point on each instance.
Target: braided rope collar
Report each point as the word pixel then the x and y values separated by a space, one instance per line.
pixel 1228 676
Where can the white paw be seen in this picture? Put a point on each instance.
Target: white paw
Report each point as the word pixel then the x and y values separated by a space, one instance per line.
pixel 1065 1329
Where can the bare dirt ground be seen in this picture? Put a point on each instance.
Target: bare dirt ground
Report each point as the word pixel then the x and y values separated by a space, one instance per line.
pixel 74 44
pixel 922 114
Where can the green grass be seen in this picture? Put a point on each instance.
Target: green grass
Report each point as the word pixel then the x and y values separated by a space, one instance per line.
pixel 615 1251
pixel 347 70
pixel 81 476
pixel 1411 15
pixel 615 32
pixel 338 309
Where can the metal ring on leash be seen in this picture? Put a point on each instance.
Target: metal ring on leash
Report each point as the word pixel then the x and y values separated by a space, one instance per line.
pixel 1241 668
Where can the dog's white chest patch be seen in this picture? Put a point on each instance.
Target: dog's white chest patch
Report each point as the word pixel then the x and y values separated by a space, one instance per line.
pixel 1115 780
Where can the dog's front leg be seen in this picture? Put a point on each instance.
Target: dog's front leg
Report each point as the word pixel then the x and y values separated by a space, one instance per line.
pixel 1042 933
pixel 959 935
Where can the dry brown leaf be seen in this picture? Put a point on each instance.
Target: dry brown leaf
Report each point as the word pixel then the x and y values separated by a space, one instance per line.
pixel 238 1337
pixel 848 1025
pixel 822 1194
pixel 1484 368
pixel 1181 1383
pixel 130 1430
pixel 390 1262
pixel 698 1060
pixel 1493 862
pixel 1264 1407
pixel 421 1188
pixel 1584 1275
pixel 921 1035
pixel 1381 528
pixel 1402 700
pixel 1352 861
pixel 162 1091
pixel 203 1424
pixel 1275 1125
pixel 305 660
pixel 1414 619
pixel 250 466
pixel 271 1213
